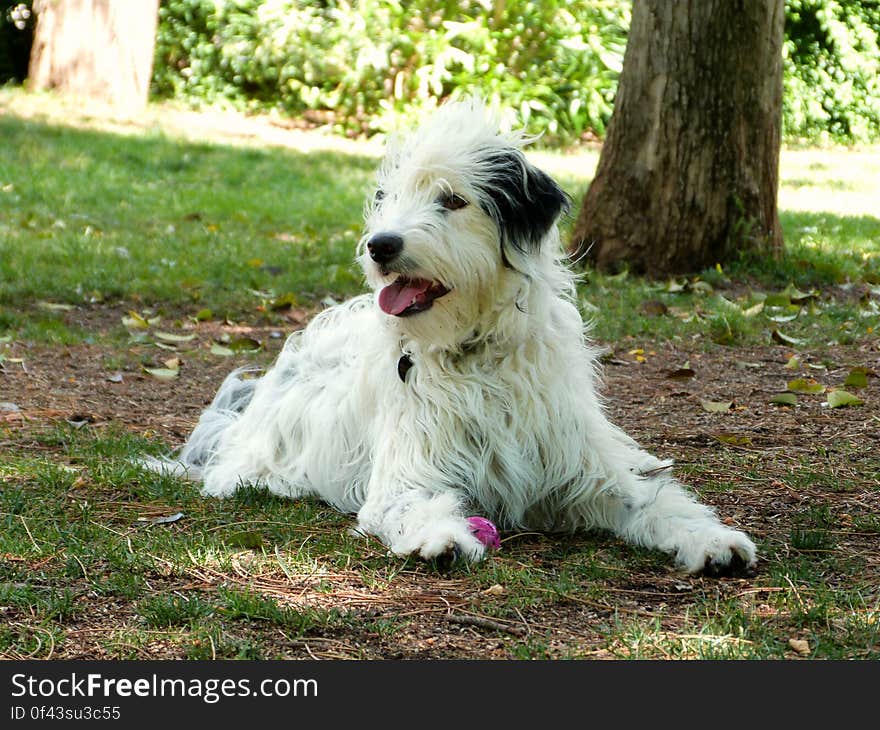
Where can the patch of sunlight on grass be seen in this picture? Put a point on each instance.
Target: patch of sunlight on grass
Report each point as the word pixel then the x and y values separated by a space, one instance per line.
pixel 834 180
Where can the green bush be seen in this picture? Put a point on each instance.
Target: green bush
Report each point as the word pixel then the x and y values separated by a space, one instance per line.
pixel 363 65
pixel 366 65
pixel 832 70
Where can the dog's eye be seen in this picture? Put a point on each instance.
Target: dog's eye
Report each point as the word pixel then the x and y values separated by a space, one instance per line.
pixel 453 201
pixel 378 196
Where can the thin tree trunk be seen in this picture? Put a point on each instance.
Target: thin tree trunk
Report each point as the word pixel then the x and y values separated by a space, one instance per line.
pixel 99 49
pixel 688 174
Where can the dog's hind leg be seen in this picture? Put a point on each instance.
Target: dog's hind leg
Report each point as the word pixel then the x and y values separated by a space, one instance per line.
pixel 233 396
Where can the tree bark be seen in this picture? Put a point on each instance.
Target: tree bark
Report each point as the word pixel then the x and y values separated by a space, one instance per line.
pixel 99 49
pixel 688 174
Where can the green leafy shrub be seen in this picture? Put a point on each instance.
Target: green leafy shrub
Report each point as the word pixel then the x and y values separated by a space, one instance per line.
pixel 367 65
pixel 364 65
pixel 832 70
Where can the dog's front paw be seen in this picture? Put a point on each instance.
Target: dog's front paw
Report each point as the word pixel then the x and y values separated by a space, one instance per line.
pixel 719 551
pixel 450 543
pixel 445 541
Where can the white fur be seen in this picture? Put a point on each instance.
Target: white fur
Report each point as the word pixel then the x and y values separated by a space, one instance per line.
pixel 499 414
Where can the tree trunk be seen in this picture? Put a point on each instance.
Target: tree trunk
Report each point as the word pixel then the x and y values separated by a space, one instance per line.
pixel 98 49
pixel 688 174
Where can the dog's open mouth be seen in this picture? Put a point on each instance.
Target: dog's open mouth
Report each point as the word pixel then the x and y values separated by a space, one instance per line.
pixel 404 296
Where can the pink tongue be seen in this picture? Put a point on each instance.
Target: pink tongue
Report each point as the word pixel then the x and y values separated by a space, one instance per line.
pixel 396 297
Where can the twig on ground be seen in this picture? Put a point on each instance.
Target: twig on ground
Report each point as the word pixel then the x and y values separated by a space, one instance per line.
pixel 28 531
pixel 521 534
pixel 796 593
pixel 81 567
pixel 522 618
pixel 484 623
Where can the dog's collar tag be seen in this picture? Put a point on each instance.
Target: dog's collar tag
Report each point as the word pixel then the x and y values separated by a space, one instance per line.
pixel 403 366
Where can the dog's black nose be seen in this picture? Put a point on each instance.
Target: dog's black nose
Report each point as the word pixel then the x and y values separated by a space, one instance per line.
pixel 383 247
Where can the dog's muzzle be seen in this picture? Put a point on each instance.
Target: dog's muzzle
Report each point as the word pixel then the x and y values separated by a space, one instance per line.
pixel 406 295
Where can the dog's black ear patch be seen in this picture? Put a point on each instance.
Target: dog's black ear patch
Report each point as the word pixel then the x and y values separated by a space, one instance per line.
pixel 524 201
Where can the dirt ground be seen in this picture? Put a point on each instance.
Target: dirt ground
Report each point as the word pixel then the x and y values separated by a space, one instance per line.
pixel 758 463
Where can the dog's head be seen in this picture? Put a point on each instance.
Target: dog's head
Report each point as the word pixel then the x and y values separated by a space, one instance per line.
pixel 459 220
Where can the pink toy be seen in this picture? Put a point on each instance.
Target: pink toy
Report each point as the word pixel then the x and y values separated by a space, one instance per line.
pixel 485 531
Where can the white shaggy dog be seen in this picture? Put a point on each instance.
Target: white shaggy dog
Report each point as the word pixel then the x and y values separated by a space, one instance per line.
pixel 463 384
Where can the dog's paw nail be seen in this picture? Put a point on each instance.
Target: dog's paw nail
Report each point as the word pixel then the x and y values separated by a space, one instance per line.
pixel 445 560
pixel 737 567
pixel 485 531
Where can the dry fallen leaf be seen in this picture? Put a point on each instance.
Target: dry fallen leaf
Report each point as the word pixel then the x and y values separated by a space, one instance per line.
pixel 55 306
pixel 752 311
pixel 840 399
pixel 857 378
pixel 784 399
pixel 221 350
pixel 653 308
pixel 801 646
pixel 733 439
pixel 805 385
pixel 796 296
pixel 167 519
pixel 681 373
pixel 134 321
pixel 784 339
pixel 172 337
pixel 712 406
pixel 162 373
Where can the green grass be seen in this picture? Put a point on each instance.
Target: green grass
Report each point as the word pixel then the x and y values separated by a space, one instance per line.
pixel 91 535
pixel 165 611
pixel 141 219
pixel 89 216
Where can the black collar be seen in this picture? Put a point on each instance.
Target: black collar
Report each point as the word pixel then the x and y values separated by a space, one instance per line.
pixel 403 366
